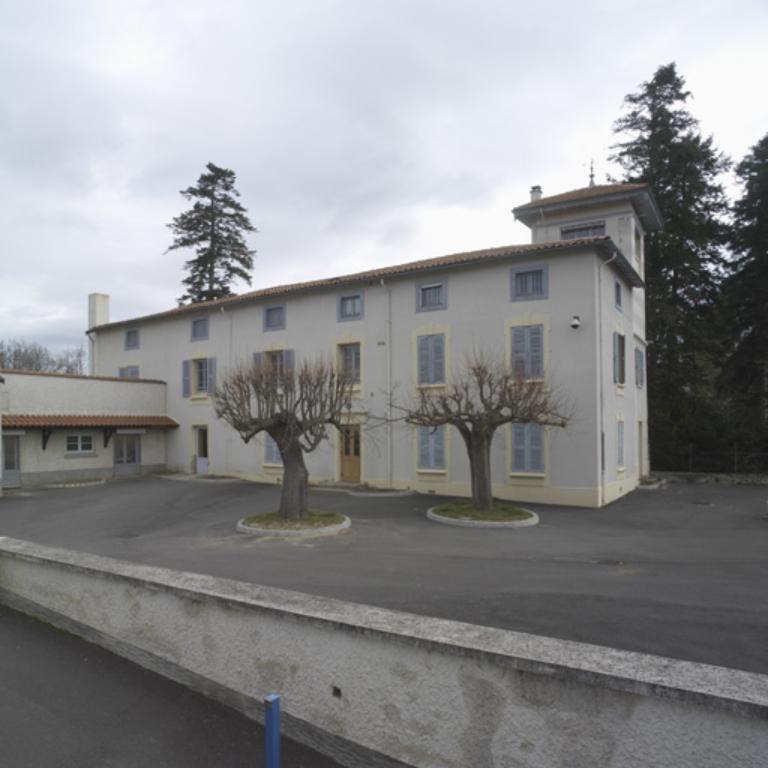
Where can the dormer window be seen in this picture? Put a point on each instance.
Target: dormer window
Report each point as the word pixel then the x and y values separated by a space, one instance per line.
pixel 579 231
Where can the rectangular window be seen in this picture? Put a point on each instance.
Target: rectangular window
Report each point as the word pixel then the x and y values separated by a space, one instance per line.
pixel 431 296
pixel 639 368
pixel 619 358
pixel 620 443
pixel 132 338
pixel 528 351
pixel 128 372
pixel 528 448
pixel 79 443
pixel 271 451
pixel 432 448
pixel 350 307
pixel 578 231
pixel 619 294
pixel 201 376
pixel 274 318
pixel 200 329
pixel 275 359
pixel 530 284
pixel 431 362
pixel 349 361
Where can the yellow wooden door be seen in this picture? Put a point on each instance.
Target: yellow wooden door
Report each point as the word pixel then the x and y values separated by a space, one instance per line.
pixel 350 454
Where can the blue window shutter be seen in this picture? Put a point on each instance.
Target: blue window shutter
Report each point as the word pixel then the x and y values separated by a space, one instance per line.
pixel 438 359
pixel 438 448
pixel 620 443
pixel 288 361
pixel 519 352
pixel 424 453
pixel 186 378
pixel 518 448
pixel 211 375
pixel 615 357
pixel 536 443
pixel 423 355
pixel 535 351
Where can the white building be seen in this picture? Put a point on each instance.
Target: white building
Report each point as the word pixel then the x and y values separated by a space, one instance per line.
pixel 569 307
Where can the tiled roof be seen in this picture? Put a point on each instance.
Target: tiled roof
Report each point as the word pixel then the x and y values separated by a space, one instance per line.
pixel 454 259
pixel 81 421
pixel 585 193
pixel 8 371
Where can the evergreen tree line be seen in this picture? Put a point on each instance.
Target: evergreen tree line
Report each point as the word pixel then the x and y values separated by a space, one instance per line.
pixel 706 285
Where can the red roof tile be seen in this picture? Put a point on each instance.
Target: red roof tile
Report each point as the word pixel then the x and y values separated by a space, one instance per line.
pixel 78 421
pixel 585 193
pixel 468 257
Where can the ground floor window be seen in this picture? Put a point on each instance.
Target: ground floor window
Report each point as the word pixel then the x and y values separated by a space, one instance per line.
pixel 528 448
pixel 79 443
pixel 432 447
pixel 271 450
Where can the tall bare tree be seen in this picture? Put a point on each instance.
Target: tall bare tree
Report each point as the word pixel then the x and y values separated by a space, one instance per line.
pixel 31 356
pixel 483 396
pixel 294 407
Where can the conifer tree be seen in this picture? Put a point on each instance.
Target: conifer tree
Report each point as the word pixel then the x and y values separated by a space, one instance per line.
pixel 215 227
pixel 683 263
pixel 745 375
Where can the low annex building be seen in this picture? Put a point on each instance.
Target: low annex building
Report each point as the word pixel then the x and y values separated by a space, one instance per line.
pixel 568 307
pixel 64 428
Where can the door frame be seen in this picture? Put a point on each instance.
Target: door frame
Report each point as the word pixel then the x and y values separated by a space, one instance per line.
pixel 201 464
pixel 354 427
pixel 121 440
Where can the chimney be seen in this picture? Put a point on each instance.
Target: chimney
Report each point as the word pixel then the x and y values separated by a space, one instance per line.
pixel 98 309
pixel 535 193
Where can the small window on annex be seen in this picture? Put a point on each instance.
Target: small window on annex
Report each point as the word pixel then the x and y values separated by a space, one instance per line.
pixel 79 443
pixel 350 307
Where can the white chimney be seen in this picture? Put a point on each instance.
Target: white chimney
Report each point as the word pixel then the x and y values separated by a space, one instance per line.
pixel 535 193
pixel 98 309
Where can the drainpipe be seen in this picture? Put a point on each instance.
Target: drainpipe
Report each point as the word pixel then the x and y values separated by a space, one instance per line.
pixel 601 388
pixel 390 457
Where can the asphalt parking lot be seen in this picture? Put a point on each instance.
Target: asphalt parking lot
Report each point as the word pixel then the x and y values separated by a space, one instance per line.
pixel 679 572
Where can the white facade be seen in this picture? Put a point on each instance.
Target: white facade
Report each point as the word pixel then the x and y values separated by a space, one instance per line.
pixel 598 281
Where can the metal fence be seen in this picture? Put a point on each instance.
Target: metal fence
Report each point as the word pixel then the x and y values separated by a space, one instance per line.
pixel 735 461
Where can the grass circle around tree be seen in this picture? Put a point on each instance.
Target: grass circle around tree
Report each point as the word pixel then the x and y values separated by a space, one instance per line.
pixel 274 524
pixel 500 515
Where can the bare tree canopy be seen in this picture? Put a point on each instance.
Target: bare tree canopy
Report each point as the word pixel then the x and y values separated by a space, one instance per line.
pixel 483 396
pixel 294 406
pixel 30 356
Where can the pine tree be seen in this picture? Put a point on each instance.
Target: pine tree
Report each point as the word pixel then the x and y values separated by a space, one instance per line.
pixel 745 375
pixel 684 263
pixel 215 226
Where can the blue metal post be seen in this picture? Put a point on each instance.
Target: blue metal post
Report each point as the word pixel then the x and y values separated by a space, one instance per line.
pixel 272 730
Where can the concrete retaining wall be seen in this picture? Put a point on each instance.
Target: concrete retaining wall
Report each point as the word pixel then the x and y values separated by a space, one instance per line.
pixel 382 688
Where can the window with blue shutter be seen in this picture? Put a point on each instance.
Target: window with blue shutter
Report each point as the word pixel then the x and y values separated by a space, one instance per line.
pixel 530 283
pixel 349 361
pixel 431 296
pixel 211 383
pixel 528 448
pixel 528 351
pixel 132 338
pixel 199 329
pixel 186 378
pixel 619 355
pixel 639 368
pixel 271 450
pixel 128 372
pixel 431 447
pixel 350 307
pixel 431 358
pixel 274 318
pixel 620 443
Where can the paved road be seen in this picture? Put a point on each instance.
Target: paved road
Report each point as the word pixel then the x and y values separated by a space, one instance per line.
pixel 681 572
pixel 68 704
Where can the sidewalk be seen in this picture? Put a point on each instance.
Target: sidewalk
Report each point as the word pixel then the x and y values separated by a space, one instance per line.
pixel 68 704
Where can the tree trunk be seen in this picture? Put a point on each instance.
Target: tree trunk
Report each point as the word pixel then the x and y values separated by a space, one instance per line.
pixel 479 450
pixel 293 498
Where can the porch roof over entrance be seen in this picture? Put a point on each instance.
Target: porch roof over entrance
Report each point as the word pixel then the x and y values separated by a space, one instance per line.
pixel 79 421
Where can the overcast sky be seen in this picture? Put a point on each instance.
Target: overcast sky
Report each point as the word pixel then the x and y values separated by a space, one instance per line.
pixel 362 133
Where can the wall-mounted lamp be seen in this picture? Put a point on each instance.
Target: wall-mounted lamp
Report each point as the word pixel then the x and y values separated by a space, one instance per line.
pixel 575 322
